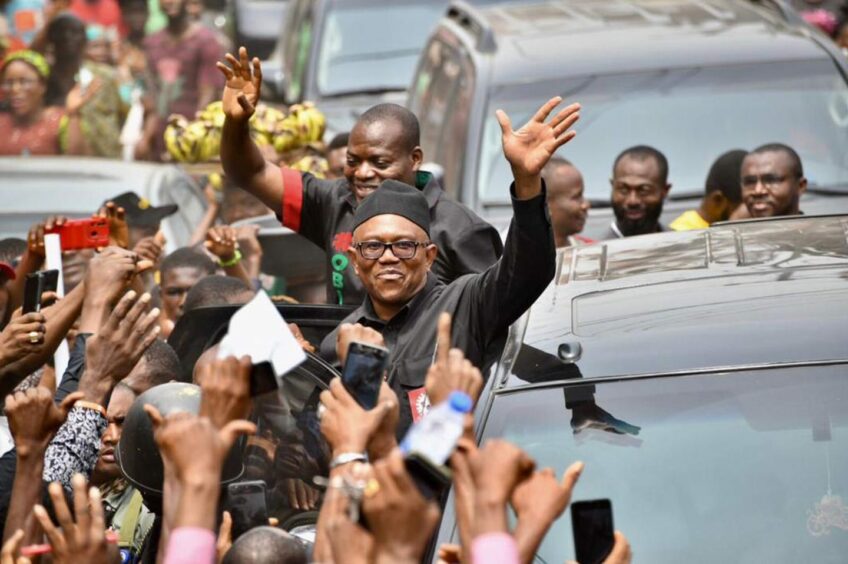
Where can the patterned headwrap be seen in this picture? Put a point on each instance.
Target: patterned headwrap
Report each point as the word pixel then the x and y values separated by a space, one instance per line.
pixel 33 59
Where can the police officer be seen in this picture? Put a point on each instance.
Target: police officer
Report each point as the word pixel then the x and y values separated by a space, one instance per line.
pixel 383 145
pixel 392 251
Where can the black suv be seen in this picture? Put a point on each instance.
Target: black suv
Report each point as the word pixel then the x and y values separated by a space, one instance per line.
pixel 693 78
pixel 703 379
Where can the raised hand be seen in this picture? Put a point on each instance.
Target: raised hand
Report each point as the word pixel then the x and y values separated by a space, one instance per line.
pixel 119 231
pixel 398 516
pixel 33 416
pixel 452 371
pixel 530 148
pixel 24 335
pixel 222 242
pixel 225 389
pixel 348 427
pixel 109 273
pixel 244 82
pixel 539 501
pixel 150 248
pixel 80 540
pixel 77 98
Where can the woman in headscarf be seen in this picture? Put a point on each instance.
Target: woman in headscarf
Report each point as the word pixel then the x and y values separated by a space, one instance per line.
pixel 30 127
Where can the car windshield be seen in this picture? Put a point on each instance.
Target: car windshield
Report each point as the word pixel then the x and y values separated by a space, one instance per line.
pixel 745 467
pixel 375 47
pixel 692 115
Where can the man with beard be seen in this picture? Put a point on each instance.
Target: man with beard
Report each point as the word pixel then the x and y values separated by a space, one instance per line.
pixel 639 188
pixel 773 181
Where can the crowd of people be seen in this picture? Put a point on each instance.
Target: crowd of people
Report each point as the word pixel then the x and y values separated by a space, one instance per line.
pixel 126 454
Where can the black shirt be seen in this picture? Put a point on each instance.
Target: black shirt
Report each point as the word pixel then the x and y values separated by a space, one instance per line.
pixel 483 306
pixel 322 211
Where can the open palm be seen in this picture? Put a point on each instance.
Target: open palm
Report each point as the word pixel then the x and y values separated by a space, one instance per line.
pixel 244 82
pixel 529 148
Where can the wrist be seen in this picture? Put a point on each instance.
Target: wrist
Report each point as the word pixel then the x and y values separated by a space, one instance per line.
pixel 95 390
pixel 232 260
pixel 348 447
pixel 527 186
pixel 397 554
pixel 30 452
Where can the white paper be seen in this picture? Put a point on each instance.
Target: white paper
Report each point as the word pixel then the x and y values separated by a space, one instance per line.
pixel 258 330
pixel 53 260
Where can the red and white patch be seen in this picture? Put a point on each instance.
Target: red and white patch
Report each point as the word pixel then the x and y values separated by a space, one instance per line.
pixel 419 403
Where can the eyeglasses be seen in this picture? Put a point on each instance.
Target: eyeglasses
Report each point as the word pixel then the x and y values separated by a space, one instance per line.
pixel 404 250
pixel 768 180
pixel 24 83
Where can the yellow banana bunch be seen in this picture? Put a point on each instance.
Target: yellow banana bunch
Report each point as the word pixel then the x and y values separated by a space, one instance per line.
pixel 315 164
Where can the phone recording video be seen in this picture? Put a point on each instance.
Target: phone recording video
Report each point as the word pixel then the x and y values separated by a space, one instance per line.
pixel 363 372
pixel 247 505
pixel 78 234
pixel 591 522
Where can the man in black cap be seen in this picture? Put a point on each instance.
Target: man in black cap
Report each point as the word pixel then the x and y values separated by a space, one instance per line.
pixel 383 144
pixel 143 219
pixel 392 252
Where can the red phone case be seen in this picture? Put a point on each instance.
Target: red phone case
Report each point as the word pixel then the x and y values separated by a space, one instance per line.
pixel 83 233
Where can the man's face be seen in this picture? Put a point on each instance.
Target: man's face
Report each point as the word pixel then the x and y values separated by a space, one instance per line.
pixel 336 159
pixel 770 187
pixel 119 404
pixel 567 205
pixel 135 17
pixel 173 8
pixel 376 152
pixel 175 286
pixel 391 281
pixel 71 41
pixel 139 232
pixel 637 195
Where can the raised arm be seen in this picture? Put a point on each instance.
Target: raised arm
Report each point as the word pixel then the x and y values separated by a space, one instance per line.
pixel 240 156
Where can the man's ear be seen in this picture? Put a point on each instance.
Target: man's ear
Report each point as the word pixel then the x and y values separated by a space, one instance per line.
pixel 431 252
pixel 351 255
pixel 802 185
pixel 667 190
pixel 417 157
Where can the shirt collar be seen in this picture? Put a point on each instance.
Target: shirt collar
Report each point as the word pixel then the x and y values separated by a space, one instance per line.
pixel 367 315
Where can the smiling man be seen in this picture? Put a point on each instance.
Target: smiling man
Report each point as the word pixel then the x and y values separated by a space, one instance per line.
pixel 392 252
pixel 773 181
pixel 566 202
pixel 383 145
pixel 639 188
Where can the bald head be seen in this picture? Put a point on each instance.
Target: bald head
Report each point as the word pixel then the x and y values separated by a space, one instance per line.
pixel 266 545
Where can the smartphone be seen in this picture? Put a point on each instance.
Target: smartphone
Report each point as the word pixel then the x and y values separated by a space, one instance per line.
pixel 262 379
pixel 431 479
pixel 363 372
pixel 591 522
pixel 35 285
pixel 247 505
pixel 83 233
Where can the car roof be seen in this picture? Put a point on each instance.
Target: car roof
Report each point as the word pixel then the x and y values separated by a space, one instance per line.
pixel 85 182
pixel 533 41
pixel 752 293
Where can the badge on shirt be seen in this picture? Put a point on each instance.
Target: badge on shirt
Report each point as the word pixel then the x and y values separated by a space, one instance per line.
pixel 419 403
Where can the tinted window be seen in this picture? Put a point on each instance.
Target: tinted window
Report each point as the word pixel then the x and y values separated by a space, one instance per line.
pixel 692 115
pixel 373 47
pixel 298 42
pixel 442 97
pixel 747 467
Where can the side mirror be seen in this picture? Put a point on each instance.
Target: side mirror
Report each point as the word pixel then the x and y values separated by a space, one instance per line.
pixel 274 79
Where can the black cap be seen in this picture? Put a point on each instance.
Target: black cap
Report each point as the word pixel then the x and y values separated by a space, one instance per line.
pixel 140 212
pixel 393 197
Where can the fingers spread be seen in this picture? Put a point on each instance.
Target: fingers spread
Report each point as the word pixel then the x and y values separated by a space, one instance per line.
pixel 546 109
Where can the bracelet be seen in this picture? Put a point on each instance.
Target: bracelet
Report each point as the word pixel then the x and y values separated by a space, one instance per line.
pixel 233 261
pixel 91 405
pixel 347 458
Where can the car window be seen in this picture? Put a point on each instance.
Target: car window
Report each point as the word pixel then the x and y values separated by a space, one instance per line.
pixel 692 115
pixel 746 467
pixel 298 43
pixel 442 99
pixel 373 47
pixel 178 188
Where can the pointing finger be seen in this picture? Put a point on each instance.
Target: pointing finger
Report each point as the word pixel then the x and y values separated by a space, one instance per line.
pixel 444 337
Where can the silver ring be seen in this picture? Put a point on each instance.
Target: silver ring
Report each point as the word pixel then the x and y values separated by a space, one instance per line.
pixel 320 411
pixel 34 336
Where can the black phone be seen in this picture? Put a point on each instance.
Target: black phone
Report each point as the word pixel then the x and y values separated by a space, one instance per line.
pixel 591 522
pixel 247 505
pixel 363 372
pixel 36 284
pixel 431 479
